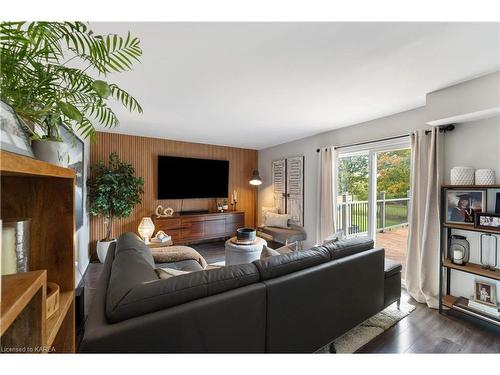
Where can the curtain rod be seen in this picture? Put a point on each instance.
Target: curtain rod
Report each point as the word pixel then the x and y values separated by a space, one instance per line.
pixel 443 129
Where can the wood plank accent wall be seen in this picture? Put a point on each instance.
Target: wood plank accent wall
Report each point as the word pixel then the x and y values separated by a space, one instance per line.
pixel 142 153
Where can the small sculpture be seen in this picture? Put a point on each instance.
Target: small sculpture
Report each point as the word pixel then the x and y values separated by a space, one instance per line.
pixel 164 212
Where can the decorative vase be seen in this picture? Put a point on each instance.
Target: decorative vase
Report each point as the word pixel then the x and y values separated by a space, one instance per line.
pixel 462 176
pixel 485 177
pixel 102 249
pixel 54 152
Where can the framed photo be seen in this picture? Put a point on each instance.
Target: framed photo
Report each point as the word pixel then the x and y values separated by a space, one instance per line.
pixel 487 221
pixel 76 162
pixel 14 132
pixel 485 293
pixel 462 205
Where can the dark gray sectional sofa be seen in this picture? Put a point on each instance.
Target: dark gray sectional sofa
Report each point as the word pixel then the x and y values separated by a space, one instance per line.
pixel 295 302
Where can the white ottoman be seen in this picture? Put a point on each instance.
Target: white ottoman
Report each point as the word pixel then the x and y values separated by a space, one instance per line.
pixel 240 254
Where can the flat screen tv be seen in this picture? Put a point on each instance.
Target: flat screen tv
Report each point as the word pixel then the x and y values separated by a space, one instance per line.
pixel 183 178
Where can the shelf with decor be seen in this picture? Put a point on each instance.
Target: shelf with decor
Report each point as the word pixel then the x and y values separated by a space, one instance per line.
pixel 447 263
pixel 462 304
pixel 44 194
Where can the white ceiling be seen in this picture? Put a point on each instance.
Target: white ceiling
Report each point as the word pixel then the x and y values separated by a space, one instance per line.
pixel 255 85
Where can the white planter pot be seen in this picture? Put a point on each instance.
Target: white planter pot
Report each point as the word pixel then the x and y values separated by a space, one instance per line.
pixel 51 151
pixel 102 249
pixel 485 177
pixel 462 176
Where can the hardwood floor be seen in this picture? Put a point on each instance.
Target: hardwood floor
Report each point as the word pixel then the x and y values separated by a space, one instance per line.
pixel 427 331
pixel 423 331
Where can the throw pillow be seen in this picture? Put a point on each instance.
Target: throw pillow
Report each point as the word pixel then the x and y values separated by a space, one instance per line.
pixel 167 273
pixel 266 209
pixel 334 237
pixel 267 252
pixel 276 220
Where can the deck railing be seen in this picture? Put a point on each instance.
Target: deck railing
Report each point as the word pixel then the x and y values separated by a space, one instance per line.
pixel 352 217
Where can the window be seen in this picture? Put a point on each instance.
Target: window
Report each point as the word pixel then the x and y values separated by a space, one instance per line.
pixel 373 194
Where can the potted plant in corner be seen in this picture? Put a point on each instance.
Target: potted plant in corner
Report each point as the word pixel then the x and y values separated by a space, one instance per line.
pixel 45 77
pixel 113 191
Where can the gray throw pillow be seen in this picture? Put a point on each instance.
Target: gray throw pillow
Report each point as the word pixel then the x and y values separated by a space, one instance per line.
pixel 267 252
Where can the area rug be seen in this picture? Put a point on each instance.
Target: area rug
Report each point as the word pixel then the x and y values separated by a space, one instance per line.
pixel 363 333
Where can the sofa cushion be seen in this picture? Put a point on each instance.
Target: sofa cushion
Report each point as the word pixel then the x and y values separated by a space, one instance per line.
pixel 345 247
pixel 188 265
pixel 292 234
pixel 391 267
pixel 287 263
pixel 130 241
pixel 159 294
pixel 128 270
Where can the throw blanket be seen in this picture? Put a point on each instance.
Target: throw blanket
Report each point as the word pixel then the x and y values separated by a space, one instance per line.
pixel 169 254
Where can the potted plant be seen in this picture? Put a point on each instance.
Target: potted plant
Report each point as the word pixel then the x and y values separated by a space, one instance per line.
pixel 44 76
pixel 113 191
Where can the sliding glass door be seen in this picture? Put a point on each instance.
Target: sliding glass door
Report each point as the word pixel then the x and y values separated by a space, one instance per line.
pixel 373 194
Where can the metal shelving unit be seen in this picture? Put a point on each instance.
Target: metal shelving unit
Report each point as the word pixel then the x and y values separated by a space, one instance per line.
pixel 458 303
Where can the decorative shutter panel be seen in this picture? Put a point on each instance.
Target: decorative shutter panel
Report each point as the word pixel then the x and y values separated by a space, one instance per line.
pixel 279 184
pixel 295 189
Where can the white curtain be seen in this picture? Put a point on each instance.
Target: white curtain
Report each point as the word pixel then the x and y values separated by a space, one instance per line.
pixel 422 262
pixel 326 202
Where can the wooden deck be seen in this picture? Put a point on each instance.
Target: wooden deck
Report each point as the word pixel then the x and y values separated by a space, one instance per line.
pixel 395 244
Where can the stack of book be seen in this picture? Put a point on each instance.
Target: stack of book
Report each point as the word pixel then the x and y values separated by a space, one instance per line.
pixel 162 240
pixel 490 310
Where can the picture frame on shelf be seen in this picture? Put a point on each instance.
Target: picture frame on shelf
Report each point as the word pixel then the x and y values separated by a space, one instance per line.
pixel 485 293
pixel 15 133
pixel 497 204
pixel 461 205
pixel 487 220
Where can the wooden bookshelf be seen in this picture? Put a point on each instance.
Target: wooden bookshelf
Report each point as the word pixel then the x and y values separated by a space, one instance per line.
pixel 22 320
pixel 471 228
pixel 473 268
pixel 45 193
pixel 445 298
pixel 471 186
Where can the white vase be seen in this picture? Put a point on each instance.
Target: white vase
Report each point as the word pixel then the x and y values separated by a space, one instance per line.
pixel 462 176
pixel 51 151
pixel 485 177
pixel 102 249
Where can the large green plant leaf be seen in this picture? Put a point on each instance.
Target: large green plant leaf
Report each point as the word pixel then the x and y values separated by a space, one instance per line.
pixel 39 80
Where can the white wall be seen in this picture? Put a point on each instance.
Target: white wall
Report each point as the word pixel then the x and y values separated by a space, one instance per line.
pixel 474 144
pixel 398 124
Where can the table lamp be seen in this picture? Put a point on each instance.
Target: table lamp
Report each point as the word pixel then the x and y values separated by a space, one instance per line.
pixel 146 228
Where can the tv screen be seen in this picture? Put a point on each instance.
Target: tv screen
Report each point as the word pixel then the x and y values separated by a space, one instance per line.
pixel 182 178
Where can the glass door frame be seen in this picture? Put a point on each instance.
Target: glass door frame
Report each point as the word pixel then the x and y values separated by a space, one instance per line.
pixel 372 148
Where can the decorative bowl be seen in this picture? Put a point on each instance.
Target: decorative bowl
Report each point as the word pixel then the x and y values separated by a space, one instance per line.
pixel 246 234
